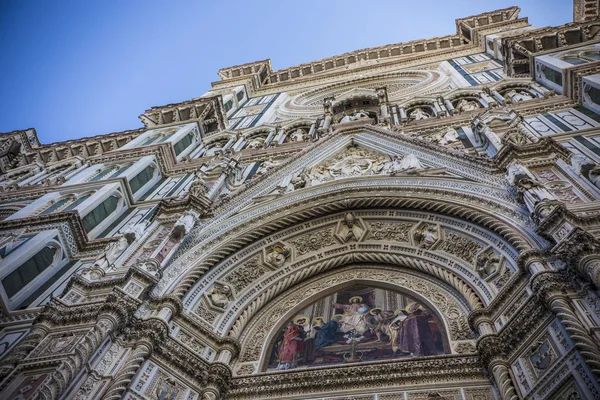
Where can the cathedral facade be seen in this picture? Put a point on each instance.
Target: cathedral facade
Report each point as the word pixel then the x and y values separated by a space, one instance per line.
pixel 412 221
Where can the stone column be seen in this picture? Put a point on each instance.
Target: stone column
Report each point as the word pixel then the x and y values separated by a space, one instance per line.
pixel 492 355
pixel 70 367
pixel 22 350
pixel 504 383
pixel 550 287
pixel 140 352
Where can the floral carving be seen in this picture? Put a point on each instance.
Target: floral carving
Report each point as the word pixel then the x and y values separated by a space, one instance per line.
pixel 390 231
pixel 313 241
pixel 245 274
pixel 460 246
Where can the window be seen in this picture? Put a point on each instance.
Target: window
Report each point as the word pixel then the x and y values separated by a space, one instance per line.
pixel 228 106
pixel 574 60
pixel 240 96
pixel 77 202
pixel 100 213
pixel 594 55
pixel 594 94
pixel 56 206
pixel 28 271
pixel 183 143
pixel 552 75
pixel 141 179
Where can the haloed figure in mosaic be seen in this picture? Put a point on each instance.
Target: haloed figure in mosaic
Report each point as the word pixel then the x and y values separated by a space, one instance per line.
pixel 359 324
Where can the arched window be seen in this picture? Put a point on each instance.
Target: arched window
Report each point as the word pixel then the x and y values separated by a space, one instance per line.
pixel 183 143
pixel 594 55
pixel 77 202
pixel 141 179
pixel 56 206
pixel 552 75
pixel 29 270
pixel 100 213
pixel 574 60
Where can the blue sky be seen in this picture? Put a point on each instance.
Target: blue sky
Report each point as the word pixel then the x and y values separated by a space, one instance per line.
pixel 77 68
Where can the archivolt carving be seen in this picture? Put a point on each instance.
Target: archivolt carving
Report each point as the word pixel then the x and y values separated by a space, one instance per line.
pixel 468 295
pixel 255 337
pixel 341 197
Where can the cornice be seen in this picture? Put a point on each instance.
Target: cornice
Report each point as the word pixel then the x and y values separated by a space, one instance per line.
pixel 341 379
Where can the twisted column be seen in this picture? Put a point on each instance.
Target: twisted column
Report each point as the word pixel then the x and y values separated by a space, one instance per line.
pixel 503 380
pixel 491 352
pixel 123 378
pixel 550 287
pixel 22 350
pixel 60 379
pixel 577 332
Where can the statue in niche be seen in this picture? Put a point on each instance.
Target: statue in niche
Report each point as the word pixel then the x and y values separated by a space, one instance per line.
pixel 516 96
pixel 267 165
pixel 299 135
pixel 410 163
pixel 418 114
pixel 357 115
pixel 532 192
pixel 111 253
pixel 256 143
pixel 466 105
pixel 392 167
pixel 350 229
pixel 220 295
pixel 488 264
pixel 451 136
pixel 278 255
pixel 426 236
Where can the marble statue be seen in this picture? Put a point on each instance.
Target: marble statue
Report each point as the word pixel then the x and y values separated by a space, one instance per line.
pixel 297 182
pixel 220 295
pixel 418 114
pixel 426 236
pixel 451 136
pixel 350 229
pixel 594 175
pixel 466 105
pixel 266 166
pixel 299 135
pixel 357 115
pixel 517 96
pixel 516 171
pixel 278 255
pixel 411 163
pixel 111 253
pixel 488 264
pixel 392 167
pixel 256 143
pixel 532 192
